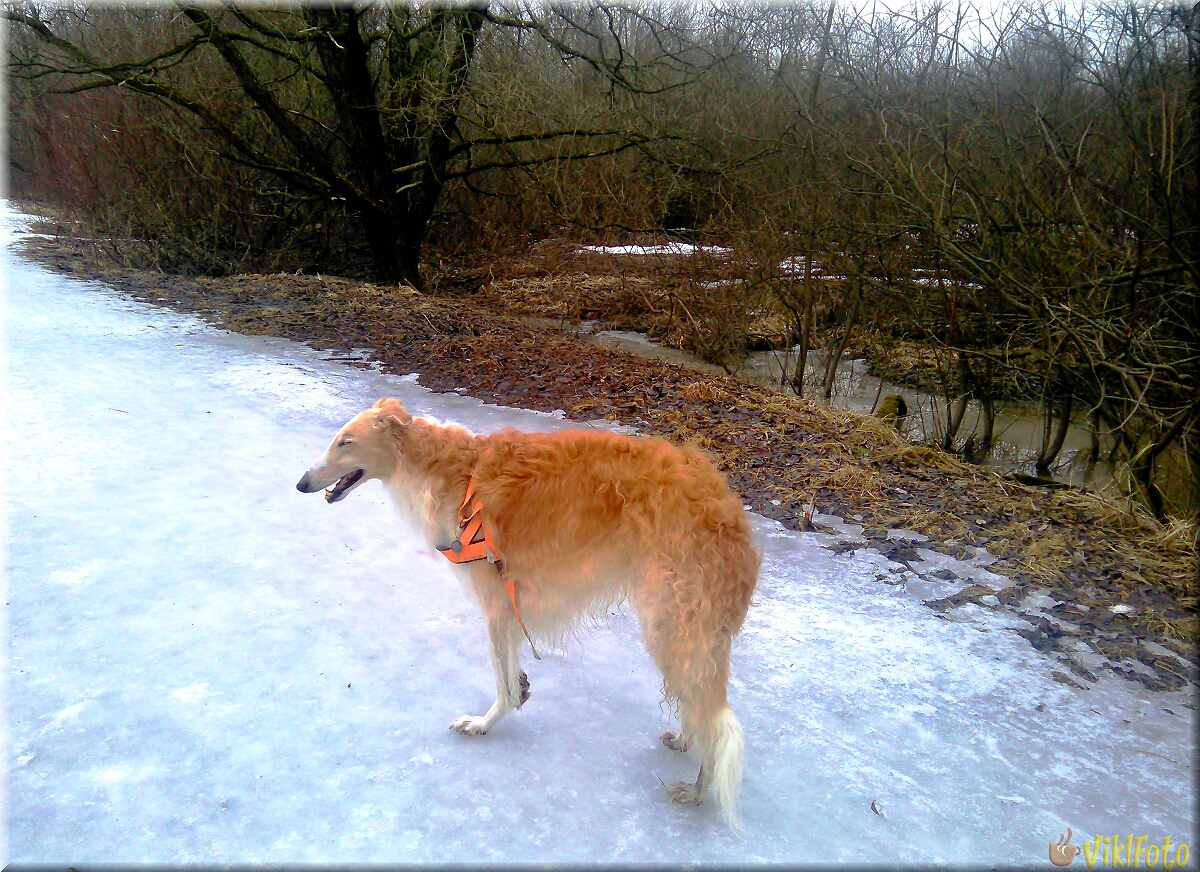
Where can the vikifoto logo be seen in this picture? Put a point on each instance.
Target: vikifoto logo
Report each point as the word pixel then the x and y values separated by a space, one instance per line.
pixel 1063 852
pixel 1128 851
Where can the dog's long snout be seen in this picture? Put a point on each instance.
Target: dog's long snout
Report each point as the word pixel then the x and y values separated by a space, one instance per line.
pixel 303 486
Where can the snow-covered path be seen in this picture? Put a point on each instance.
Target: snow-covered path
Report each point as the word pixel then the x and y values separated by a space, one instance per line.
pixel 204 665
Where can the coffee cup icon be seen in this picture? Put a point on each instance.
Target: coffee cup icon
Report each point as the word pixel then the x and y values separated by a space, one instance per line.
pixel 1063 852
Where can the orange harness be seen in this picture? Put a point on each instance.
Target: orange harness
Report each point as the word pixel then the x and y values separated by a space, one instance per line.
pixel 473 543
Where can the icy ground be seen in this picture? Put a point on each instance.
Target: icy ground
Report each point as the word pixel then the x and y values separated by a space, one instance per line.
pixel 204 665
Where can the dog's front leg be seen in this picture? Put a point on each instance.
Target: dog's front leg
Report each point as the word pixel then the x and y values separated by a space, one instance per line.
pixel 512 685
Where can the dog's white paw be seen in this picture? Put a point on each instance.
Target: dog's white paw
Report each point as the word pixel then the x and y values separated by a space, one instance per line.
pixel 685 794
pixel 674 741
pixel 469 725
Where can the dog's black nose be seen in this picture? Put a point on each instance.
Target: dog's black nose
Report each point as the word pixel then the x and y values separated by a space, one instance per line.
pixel 302 484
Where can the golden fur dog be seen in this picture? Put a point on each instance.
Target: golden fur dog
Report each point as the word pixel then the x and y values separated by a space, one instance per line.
pixel 581 518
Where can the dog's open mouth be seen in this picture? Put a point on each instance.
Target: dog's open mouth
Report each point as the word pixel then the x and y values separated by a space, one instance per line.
pixel 342 486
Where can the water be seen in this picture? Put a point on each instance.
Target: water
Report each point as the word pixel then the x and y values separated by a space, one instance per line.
pixel 1017 430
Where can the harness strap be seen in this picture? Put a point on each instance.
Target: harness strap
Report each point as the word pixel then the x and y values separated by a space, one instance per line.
pixel 467 498
pixel 466 548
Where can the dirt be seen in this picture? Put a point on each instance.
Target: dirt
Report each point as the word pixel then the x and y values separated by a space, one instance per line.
pixel 777 451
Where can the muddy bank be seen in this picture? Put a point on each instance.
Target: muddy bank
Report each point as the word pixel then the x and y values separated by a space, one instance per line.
pixel 778 452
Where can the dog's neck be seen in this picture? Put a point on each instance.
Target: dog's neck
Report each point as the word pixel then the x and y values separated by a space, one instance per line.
pixel 434 464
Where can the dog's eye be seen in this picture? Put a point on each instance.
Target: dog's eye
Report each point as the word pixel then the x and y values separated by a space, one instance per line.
pixel 344 443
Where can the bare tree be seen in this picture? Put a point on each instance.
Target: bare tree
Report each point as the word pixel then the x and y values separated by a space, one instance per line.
pixel 362 105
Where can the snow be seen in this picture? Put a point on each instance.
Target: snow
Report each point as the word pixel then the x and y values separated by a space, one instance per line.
pixel 796 266
pixel 674 248
pixel 788 266
pixel 205 666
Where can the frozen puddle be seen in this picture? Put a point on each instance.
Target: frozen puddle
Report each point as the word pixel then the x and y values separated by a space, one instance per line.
pixel 205 666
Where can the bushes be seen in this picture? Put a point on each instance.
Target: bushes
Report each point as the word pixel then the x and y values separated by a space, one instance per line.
pixel 1039 169
pixel 143 174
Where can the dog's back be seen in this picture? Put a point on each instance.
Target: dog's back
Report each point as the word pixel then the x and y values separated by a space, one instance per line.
pixel 574 493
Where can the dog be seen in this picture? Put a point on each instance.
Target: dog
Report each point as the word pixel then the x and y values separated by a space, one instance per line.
pixel 575 521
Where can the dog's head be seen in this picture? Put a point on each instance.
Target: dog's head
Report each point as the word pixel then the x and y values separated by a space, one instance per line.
pixel 365 448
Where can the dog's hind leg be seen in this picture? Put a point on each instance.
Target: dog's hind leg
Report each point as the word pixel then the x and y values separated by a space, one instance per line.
pixel 714 733
pixel 512 684
pixel 712 730
pixel 688 628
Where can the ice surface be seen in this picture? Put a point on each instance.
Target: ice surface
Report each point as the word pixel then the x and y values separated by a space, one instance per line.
pixel 205 666
pixel 970 570
pixel 849 530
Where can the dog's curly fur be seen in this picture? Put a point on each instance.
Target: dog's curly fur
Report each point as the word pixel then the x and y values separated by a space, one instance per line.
pixel 582 519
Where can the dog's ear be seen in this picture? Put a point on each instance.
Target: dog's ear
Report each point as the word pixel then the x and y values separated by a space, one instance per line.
pixel 392 412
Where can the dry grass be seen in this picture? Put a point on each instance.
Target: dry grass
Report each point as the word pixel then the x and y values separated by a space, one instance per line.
pixel 688 302
pixel 925 456
pixel 863 485
pixel 574 296
pixel 1044 556
pixel 1184 630
pixel 703 392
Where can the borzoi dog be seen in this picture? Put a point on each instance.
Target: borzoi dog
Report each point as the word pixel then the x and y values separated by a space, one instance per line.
pixel 549 527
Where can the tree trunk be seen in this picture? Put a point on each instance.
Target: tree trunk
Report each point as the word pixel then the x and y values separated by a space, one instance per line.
pixel 1094 436
pixel 1052 444
pixel 396 227
pixel 395 245
pixel 838 347
pixel 410 261
pixel 956 412
pixel 982 389
pixel 1143 476
pixel 1143 463
pixel 381 238
pixel 984 447
pixel 806 317
pixel 954 417
pixel 802 355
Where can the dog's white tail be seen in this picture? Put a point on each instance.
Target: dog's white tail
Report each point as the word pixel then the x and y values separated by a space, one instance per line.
pixel 725 759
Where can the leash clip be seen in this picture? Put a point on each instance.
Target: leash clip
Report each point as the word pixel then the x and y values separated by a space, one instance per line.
pixel 511 586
